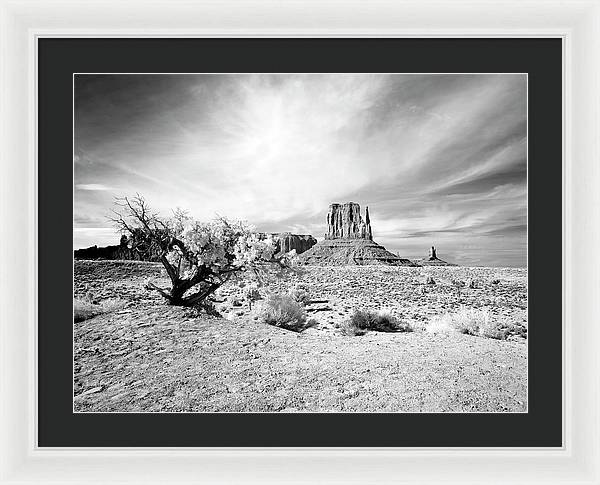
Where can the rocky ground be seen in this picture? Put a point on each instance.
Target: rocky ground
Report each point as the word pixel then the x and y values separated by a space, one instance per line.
pixel 147 356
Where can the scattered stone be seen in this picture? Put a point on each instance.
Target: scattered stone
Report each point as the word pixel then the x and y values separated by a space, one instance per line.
pixel 319 308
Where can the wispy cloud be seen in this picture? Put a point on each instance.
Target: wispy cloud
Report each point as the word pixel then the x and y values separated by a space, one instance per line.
pixel 92 187
pixel 439 159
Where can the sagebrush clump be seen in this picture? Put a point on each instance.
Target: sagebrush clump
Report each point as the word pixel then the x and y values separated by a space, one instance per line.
pixel 349 328
pixel 301 294
pixel 362 321
pixel 468 321
pixel 87 307
pixel 284 311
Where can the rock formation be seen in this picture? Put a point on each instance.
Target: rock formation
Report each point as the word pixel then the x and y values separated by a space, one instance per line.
pixel 432 259
pixel 345 222
pixel 349 240
pixel 286 241
pixel 121 251
pixel 135 248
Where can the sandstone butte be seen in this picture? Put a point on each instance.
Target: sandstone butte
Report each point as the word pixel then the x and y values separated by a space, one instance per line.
pixel 349 240
pixel 286 241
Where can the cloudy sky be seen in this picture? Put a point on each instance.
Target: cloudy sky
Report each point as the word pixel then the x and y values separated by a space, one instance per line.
pixel 439 159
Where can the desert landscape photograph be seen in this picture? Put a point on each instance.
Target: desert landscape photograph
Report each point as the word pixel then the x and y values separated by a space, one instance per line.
pixel 300 243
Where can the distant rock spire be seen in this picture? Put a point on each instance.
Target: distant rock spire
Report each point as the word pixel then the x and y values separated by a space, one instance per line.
pixel 433 260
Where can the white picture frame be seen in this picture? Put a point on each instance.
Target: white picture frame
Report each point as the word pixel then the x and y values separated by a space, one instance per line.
pixel 576 22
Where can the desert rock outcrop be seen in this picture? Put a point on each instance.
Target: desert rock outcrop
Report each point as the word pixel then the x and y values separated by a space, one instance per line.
pixel 349 240
pixel 131 248
pixel 433 260
pixel 345 222
pixel 286 242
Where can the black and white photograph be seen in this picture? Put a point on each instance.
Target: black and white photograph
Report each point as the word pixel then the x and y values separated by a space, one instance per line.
pixel 300 243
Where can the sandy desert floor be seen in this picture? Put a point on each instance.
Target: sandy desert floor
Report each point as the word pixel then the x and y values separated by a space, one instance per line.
pixel 147 356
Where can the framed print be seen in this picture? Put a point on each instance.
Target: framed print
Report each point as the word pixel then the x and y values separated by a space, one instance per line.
pixel 249 310
pixel 269 256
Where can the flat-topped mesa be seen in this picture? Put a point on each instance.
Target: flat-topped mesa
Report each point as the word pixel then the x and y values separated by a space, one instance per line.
pixel 286 242
pixel 345 222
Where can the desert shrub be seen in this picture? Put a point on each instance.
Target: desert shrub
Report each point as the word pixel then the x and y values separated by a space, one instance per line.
pixel 382 321
pixel 496 282
pixel 284 312
pixel 253 294
pixel 473 284
pixel 468 321
pixel 430 280
pixel 86 308
pixel 492 329
pixel 349 328
pixel 301 295
pixel 362 319
pixel 440 324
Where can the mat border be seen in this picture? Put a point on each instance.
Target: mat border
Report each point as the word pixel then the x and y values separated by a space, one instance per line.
pixel 577 22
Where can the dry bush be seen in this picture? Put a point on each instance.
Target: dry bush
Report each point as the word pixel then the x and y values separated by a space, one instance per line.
pixel 85 308
pixel 492 329
pixel 285 312
pixel 301 295
pixel 362 321
pixel 468 321
pixel 349 328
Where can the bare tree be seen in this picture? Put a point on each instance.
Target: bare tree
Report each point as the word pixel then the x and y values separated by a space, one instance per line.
pixel 193 275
